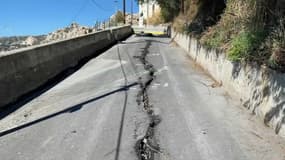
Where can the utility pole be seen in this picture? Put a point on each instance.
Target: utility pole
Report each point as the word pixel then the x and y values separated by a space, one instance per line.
pixel 132 12
pixel 109 22
pixel 116 5
pixel 124 10
pixel 147 11
pixel 104 24
pixel 116 11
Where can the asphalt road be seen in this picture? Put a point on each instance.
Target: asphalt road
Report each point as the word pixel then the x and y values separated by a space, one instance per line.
pixel 142 98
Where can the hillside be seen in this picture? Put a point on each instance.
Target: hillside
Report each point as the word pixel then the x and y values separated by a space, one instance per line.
pixel 16 42
pixel 247 30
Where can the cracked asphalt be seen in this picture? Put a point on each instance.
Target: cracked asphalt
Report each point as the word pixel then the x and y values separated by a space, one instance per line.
pixel 80 118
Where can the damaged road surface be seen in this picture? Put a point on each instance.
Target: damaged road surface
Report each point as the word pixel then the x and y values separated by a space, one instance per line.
pixel 146 147
pixel 143 99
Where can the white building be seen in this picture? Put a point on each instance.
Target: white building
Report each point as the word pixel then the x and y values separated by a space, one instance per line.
pixel 147 10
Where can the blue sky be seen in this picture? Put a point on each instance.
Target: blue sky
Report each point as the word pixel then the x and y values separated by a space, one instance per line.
pixel 35 17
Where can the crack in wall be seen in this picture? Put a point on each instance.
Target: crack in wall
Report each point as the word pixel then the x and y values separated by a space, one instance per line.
pixel 146 147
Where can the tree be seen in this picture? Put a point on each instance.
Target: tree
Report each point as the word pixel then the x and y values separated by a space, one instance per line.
pixel 169 8
pixel 119 17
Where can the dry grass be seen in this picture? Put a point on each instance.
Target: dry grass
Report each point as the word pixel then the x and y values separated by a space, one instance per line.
pixel 192 9
pixel 179 24
pixel 277 58
pixel 241 30
pixel 252 30
pixel 183 20
pixel 156 19
pixel 233 21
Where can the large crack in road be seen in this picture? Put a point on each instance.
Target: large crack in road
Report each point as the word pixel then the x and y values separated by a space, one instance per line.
pixel 147 146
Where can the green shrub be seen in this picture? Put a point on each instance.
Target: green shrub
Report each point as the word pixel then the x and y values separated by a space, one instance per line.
pixel 214 41
pixel 244 45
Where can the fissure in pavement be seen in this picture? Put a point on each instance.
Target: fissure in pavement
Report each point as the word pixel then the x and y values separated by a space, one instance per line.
pixel 147 146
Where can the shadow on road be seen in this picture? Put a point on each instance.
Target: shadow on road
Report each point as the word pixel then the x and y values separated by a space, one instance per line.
pixel 27 97
pixel 67 110
pixel 136 42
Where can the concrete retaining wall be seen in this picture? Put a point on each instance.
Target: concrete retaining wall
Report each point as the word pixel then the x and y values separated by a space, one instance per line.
pixel 260 89
pixel 24 70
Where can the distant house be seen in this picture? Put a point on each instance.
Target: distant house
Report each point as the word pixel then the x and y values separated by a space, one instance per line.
pixel 146 10
pixel 132 19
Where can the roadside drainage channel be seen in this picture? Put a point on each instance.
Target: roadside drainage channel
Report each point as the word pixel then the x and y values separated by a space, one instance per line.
pixel 147 146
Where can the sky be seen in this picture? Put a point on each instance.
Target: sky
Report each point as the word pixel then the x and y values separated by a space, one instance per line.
pixel 36 17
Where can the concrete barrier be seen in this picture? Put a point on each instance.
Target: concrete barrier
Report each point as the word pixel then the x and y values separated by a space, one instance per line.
pixel 24 70
pixel 260 89
pixel 120 33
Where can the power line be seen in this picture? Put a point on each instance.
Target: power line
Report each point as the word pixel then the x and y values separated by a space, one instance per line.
pixel 83 6
pixel 100 7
